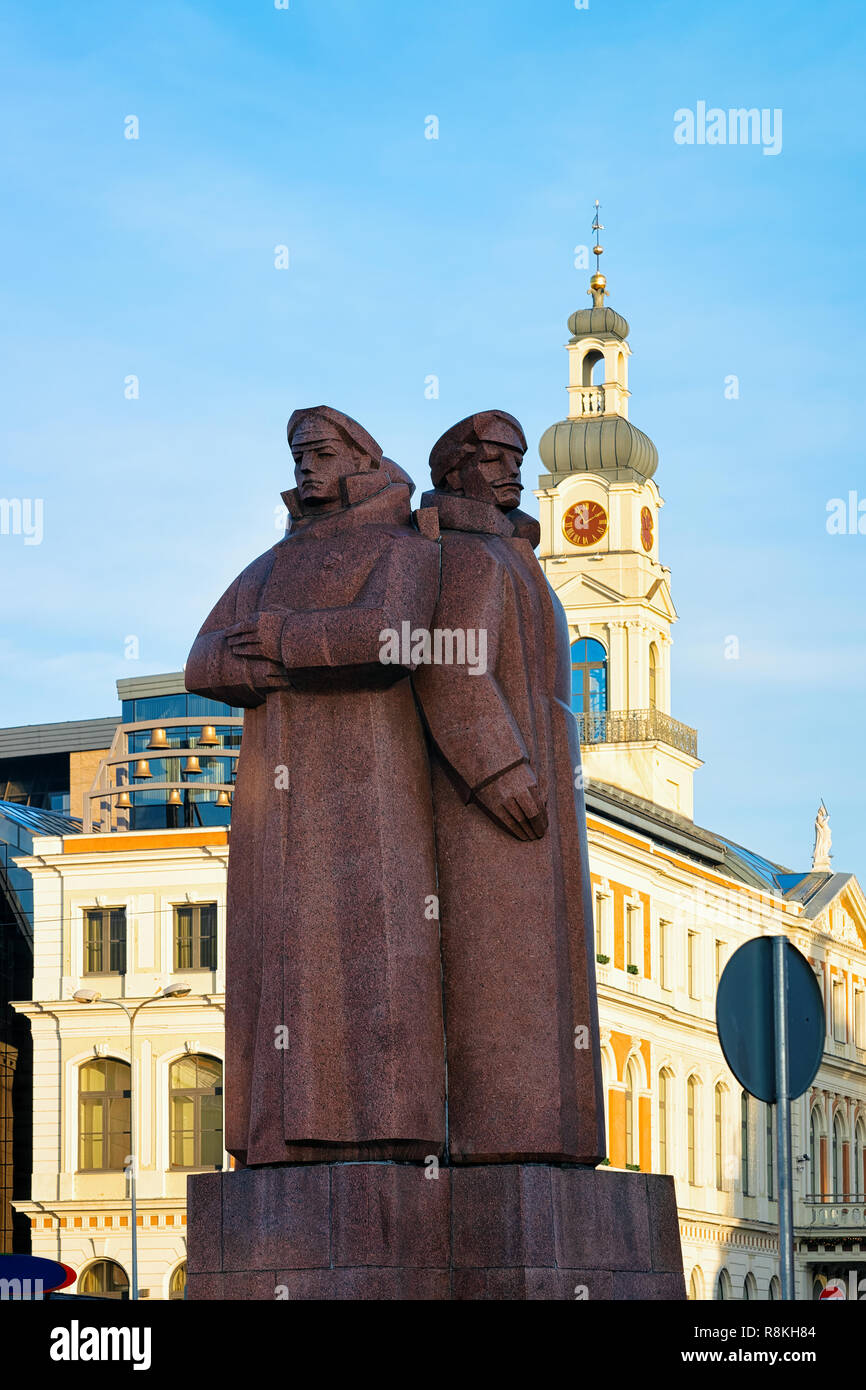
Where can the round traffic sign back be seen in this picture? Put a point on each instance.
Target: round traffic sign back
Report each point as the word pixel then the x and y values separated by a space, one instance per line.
pixel 746 1026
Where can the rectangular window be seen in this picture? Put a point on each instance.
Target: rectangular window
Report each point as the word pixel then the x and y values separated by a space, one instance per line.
pixel 860 1017
pixel 717 1139
pixel 720 960
pixel 105 941
pixel 664 952
pixel 631 935
pixel 839 1032
pixel 599 908
pixel 195 937
pixel 692 951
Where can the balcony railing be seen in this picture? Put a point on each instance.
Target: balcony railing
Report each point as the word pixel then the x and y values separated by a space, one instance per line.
pixel 847 1211
pixel 589 400
pixel 637 726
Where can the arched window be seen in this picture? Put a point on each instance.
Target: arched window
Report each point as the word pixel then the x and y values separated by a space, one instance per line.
pixel 815 1154
pixel 653 676
pixel 696 1284
pixel 775 1289
pixel 750 1288
pixel 177 1282
pixel 744 1142
pixel 196 1085
pixel 664 1120
pixel 632 1133
pixel 103 1115
pixel 723 1286
pixel 589 685
pixel 692 1126
pixel 718 1135
pixel 593 368
pixel 838 1150
pixel 105 1279
pixel 858 1181
pixel 605 1094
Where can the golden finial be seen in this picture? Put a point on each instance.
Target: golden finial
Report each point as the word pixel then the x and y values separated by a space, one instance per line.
pixel 598 281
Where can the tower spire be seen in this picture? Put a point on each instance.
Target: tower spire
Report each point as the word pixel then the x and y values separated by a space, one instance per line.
pixel 598 281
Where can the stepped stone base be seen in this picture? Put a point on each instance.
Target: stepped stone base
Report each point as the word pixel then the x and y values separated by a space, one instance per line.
pixel 386 1231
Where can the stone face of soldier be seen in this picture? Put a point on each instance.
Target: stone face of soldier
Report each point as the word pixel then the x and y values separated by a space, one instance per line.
pixel 323 455
pixel 490 469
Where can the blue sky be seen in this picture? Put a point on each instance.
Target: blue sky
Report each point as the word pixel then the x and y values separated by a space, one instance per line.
pixel 410 257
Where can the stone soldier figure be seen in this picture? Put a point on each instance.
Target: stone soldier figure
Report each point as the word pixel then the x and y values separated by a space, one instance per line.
pixel 334 1028
pixel 524 1067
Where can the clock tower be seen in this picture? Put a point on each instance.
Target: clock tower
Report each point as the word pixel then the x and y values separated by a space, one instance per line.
pixel 599 509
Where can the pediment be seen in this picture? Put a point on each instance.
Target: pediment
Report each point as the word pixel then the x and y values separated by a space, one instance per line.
pixel 843 916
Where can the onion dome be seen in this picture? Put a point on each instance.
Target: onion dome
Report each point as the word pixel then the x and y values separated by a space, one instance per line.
pixel 590 322
pixel 602 444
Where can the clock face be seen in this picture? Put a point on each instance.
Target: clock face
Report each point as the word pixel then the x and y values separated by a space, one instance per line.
pixel 584 523
pixel 646 528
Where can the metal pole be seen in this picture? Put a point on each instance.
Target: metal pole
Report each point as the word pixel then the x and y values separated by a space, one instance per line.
pixel 133 1293
pixel 783 1118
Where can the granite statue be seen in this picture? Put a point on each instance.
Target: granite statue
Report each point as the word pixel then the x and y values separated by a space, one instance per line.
pixel 334 1028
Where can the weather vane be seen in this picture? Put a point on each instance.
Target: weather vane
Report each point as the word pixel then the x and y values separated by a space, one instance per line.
pixel 597 227
pixel 598 281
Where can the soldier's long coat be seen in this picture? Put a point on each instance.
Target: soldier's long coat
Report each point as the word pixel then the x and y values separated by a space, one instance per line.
pixel 517 933
pixel 332 947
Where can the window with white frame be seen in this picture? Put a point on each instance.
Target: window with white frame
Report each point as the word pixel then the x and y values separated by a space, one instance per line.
pixel 632 1127
pixel 719 1135
pixel 838 997
pixel 664 1120
pixel 105 941
pixel 744 1143
pixel 599 924
pixel 664 953
pixel 692 1128
pixel 692 965
pixel 633 934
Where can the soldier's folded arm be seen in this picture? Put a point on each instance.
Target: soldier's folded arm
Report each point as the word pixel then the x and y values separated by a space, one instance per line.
pixel 213 669
pixel 468 715
pixel 400 588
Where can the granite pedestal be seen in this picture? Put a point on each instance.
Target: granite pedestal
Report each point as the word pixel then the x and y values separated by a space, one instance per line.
pixel 386 1231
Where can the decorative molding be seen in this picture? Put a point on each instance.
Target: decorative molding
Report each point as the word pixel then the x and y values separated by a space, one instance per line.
pixel 728 1235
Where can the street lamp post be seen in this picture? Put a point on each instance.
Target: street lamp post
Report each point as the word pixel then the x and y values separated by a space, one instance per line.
pixel 173 990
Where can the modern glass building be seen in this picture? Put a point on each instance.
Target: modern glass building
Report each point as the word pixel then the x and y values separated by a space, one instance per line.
pixel 172 761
